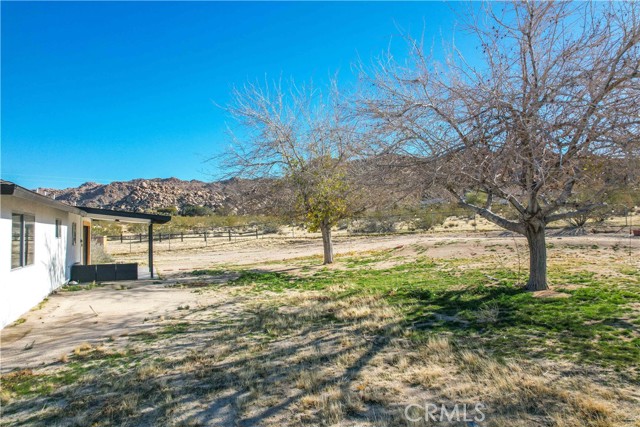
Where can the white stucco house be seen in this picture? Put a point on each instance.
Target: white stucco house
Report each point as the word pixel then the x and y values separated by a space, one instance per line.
pixel 41 239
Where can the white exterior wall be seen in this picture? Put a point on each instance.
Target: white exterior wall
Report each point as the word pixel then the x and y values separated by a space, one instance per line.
pixel 74 252
pixel 23 288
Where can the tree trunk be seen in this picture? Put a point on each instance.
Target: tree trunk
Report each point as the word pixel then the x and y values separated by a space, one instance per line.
pixel 537 257
pixel 327 243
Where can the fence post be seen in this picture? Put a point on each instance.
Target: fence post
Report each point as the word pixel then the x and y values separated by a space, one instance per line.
pixel 120 237
pixel 229 235
pixel 626 217
pixel 140 237
pixel 182 236
pixel 160 237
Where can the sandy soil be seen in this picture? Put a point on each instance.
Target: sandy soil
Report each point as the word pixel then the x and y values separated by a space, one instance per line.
pixel 247 359
pixel 438 245
pixel 69 319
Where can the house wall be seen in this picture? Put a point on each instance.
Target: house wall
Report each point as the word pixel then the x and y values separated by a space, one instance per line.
pixel 23 288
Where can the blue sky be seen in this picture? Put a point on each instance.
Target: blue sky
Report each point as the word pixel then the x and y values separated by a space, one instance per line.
pixel 98 91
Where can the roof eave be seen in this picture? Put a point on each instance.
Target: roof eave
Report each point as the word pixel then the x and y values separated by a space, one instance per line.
pixel 113 215
pixel 22 193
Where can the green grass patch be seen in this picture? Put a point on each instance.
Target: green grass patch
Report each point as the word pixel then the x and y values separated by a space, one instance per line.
pixel 28 383
pixel 263 281
pixel 488 309
pixel 83 287
pixel 82 366
pixel 20 321
pixel 363 261
pixel 206 272
pixel 41 304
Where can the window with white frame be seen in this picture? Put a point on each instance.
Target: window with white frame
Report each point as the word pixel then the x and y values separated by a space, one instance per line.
pixel 22 239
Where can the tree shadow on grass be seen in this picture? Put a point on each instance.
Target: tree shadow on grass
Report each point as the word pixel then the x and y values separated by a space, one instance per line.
pixel 239 364
pixel 506 320
pixel 253 368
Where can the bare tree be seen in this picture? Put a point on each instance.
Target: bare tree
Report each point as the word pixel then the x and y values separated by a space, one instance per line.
pixel 552 99
pixel 300 136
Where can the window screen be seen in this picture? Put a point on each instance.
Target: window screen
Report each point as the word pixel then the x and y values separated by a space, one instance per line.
pixel 29 238
pixel 22 240
pixel 58 228
pixel 16 241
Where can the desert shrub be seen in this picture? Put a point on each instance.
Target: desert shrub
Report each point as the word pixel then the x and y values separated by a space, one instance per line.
pixel 198 223
pixel 270 228
pixel 476 198
pixel 193 210
pixel 373 225
pixel 171 210
pixel 426 221
pixel 595 215
pixel 343 224
pixel 137 228
pixel 105 228
pixel 100 256
pixel 505 209
pixel 579 220
pixel 621 199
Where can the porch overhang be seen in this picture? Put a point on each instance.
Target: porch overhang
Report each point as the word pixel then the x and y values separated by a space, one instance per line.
pixel 129 217
pixel 122 216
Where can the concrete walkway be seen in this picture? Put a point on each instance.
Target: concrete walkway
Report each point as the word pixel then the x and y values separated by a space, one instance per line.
pixel 70 318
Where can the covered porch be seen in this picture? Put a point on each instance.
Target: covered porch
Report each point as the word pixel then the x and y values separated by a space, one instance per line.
pixel 109 272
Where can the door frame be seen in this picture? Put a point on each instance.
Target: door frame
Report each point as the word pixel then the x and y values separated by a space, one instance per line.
pixel 86 243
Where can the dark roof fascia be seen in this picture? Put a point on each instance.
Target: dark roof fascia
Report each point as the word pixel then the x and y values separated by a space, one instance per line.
pixel 153 218
pixel 7 188
pixel 10 189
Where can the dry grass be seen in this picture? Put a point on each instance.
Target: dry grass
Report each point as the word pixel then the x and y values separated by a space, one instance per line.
pixel 306 357
pixel 318 373
pixel 83 349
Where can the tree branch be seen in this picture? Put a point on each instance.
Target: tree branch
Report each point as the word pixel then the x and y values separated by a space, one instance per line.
pixel 488 215
pixel 572 214
pixel 562 199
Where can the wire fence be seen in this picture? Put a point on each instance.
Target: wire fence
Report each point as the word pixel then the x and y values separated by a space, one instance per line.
pixel 203 235
pixel 357 226
pixel 366 226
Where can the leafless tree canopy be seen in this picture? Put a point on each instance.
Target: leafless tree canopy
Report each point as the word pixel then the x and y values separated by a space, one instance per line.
pixel 554 97
pixel 301 136
pixel 285 126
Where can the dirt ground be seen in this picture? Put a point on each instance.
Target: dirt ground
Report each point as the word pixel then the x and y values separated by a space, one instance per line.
pixel 249 251
pixel 68 319
pixel 165 352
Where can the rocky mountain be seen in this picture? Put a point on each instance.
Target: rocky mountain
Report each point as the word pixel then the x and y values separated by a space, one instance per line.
pixel 150 195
